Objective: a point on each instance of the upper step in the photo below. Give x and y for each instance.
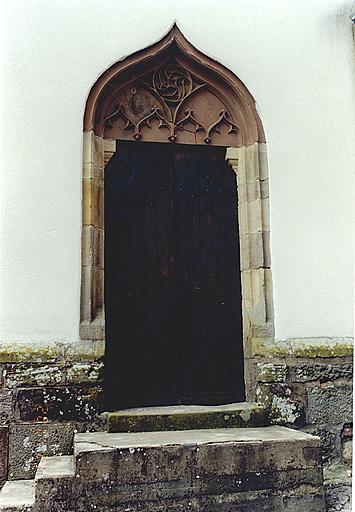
(17, 496)
(186, 417)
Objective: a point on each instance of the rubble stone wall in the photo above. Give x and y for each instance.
(49, 391)
(307, 384)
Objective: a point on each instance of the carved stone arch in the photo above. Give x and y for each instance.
(170, 92)
(111, 97)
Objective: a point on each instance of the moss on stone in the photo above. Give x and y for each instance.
(304, 347)
(122, 421)
(270, 348)
(271, 372)
(322, 347)
(20, 353)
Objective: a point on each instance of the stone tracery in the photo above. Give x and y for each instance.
(164, 96)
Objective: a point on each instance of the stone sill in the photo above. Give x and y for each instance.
(51, 351)
(325, 347)
(94, 349)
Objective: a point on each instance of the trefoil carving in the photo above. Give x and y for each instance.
(184, 106)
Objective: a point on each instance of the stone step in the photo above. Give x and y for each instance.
(60, 466)
(17, 496)
(186, 417)
(54, 474)
(266, 468)
(270, 469)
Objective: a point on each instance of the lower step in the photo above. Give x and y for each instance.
(269, 469)
(186, 417)
(17, 496)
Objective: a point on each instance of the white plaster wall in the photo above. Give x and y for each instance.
(294, 56)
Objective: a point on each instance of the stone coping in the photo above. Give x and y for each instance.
(304, 347)
(93, 350)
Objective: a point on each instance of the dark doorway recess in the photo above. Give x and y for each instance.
(172, 277)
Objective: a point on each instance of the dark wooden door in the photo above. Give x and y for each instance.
(172, 277)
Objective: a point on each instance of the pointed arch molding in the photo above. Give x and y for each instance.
(170, 92)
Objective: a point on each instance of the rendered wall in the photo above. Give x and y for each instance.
(295, 58)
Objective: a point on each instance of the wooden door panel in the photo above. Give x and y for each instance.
(172, 286)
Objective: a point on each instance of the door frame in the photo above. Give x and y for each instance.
(248, 159)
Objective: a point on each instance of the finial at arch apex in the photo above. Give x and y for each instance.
(171, 92)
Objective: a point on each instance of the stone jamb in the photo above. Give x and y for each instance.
(250, 165)
(96, 154)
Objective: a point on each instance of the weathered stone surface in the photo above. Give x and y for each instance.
(270, 348)
(338, 498)
(20, 375)
(307, 372)
(4, 447)
(86, 350)
(31, 352)
(186, 417)
(285, 404)
(329, 405)
(115, 499)
(322, 347)
(186, 471)
(255, 250)
(347, 451)
(83, 373)
(337, 480)
(329, 437)
(29, 442)
(7, 406)
(271, 372)
(205, 452)
(312, 501)
(17, 496)
(70, 404)
(56, 467)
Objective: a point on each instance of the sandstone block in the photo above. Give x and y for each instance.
(271, 372)
(330, 406)
(87, 238)
(307, 372)
(30, 441)
(77, 403)
(4, 449)
(85, 350)
(20, 375)
(83, 373)
(255, 250)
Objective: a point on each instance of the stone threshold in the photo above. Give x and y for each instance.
(186, 417)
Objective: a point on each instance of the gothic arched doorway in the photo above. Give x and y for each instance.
(166, 133)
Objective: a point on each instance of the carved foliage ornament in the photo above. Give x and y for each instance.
(170, 104)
